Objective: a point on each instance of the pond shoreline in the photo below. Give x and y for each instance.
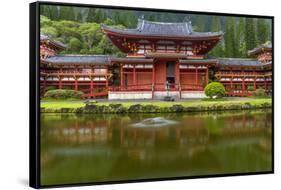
(175, 107)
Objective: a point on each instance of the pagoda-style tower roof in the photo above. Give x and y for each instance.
(178, 34)
(163, 29)
(54, 44)
(263, 53)
(267, 47)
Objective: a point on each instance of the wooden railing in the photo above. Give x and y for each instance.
(95, 92)
(141, 87)
(245, 74)
(74, 74)
(158, 87)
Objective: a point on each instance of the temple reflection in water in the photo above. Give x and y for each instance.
(196, 144)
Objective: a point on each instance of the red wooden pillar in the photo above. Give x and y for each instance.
(76, 85)
(177, 77)
(60, 83)
(153, 79)
(60, 76)
(196, 76)
(255, 83)
(121, 75)
(243, 86)
(134, 74)
(92, 87)
(106, 84)
(231, 79)
(207, 75)
(177, 71)
(265, 86)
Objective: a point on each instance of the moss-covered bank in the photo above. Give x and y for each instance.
(159, 107)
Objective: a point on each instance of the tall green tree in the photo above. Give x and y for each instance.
(240, 38)
(79, 17)
(200, 21)
(230, 48)
(75, 44)
(262, 31)
(50, 11)
(91, 34)
(91, 15)
(96, 15)
(218, 51)
(250, 35)
(67, 13)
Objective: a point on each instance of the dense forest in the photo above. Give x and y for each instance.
(79, 28)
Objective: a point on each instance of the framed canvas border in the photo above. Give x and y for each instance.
(34, 94)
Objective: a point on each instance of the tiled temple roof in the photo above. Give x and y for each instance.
(199, 61)
(79, 59)
(55, 43)
(131, 60)
(239, 62)
(106, 60)
(266, 46)
(149, 28)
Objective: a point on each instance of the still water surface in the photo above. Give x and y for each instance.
(95, 148)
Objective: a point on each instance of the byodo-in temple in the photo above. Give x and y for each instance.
(161, 58)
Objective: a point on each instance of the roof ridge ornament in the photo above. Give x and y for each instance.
(188, 24)
(186, 18)
(140, 23)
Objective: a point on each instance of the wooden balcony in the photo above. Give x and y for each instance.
(245, 74)
(76, 74)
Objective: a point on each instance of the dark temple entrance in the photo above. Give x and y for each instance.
(170, 73)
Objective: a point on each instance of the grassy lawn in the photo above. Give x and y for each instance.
(186, 103)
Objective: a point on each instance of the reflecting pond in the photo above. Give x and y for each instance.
(109, 147)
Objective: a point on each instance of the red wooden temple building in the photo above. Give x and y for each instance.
(87, 73)
(243, 76)
(161, 58)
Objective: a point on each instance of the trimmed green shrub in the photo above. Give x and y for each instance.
(250, 88)
(214, 90)
(50, 88)
(63, 94)
(259, 92)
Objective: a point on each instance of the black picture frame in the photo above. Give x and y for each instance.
(34, 93)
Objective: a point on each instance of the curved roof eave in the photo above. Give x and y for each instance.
(136, 33)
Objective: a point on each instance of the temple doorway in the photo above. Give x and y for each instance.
(170, 73)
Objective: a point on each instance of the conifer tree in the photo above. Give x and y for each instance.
(230, 49)
(240, 38)
(262, 31)
(250, 37)
(218, 51)
(91, 15)
(79, 17)
(67, 13)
